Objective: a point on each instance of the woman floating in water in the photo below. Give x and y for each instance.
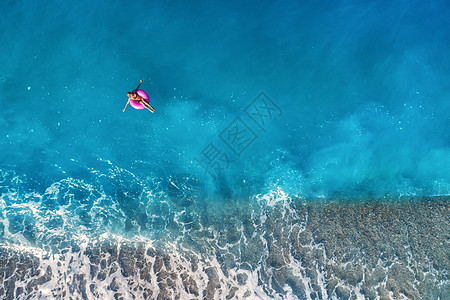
(139, 99)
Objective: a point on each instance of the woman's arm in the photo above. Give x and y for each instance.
(137, 87)
(127, 104)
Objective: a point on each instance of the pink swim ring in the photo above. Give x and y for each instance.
(136, 104)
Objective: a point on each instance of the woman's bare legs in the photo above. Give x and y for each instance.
(147, 106)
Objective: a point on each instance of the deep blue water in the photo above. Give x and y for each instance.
(356, 93)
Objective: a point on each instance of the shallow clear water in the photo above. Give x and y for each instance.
(260, 108)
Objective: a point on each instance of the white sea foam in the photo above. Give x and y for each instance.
(261, 250)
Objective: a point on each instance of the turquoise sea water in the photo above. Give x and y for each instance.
(257, 104)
